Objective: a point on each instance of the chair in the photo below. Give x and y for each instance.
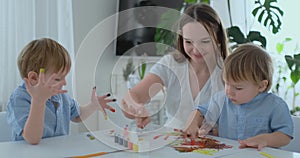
(5, 132)
(295, 143)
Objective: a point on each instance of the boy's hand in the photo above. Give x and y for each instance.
(253, 142)
(191, 130)
(100, 102)
(205, 129)
(43, 90)
(192, 124)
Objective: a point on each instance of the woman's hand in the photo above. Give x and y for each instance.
(141, 122)
(137, 112)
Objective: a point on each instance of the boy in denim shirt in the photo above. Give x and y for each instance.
(245, 111)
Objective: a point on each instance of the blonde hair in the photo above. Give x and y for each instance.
(249, 62)
(43, 53)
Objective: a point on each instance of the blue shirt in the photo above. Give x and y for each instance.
(265, 113)
(56, 121)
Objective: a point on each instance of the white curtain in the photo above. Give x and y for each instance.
(22, 21)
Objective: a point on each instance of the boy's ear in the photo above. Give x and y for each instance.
(33, 77)
(263, 85)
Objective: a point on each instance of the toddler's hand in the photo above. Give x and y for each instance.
(101, 102)
(253, 143)
(43, 90)
(204, 129)
(192, 124)
(190, 130)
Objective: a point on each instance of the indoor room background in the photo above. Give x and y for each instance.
(72, 23)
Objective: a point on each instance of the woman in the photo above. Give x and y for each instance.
(190, 76)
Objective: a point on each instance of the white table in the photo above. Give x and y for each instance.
(80, 144)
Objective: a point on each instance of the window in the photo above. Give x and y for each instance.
(24, 21)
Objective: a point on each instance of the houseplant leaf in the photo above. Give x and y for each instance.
(294, 66)
(164, 34)
(256, 36)
(269, 14)
(142, 70)
(236, 36)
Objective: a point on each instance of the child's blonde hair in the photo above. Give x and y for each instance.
(43, 53)
(249, 62)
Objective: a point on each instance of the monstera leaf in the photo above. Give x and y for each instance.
(165, 36)
(236, 37)
(294, 66)
(268, 14)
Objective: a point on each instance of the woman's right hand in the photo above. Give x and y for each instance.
(128, 112)
(137, 112)
(141, 122)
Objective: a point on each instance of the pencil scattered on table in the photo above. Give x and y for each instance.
(266, 155)
(91, 137)
(97, 154)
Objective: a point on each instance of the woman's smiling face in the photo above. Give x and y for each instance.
(197, 42)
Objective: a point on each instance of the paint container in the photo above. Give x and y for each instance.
(116, 138)
(120, 140)
(135, 147)
(125, 143)
(130, 145)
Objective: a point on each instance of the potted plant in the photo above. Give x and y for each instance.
(129, 73)
(129, 69)
(267, 13)
(292, 65)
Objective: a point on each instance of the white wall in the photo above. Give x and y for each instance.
(238, 12)
(86, 15)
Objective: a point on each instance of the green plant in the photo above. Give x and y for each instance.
(292, 65)
(281, 67)
(129, 69)
(142, 70)
(267, 13)
(237, 37)
(296, 111)
(164, 37)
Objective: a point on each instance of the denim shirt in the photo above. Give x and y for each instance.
(56, 120)
(265, 113)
